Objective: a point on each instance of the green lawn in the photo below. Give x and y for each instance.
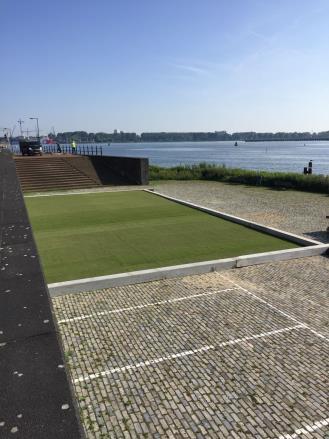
(104, 233)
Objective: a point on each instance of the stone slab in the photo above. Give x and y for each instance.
(135, 277)
(98, 283)
(281, 255)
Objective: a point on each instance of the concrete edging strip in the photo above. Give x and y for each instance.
(281, 255)
(134, 277)
(114, 280)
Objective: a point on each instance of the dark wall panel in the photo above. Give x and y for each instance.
(121, 170)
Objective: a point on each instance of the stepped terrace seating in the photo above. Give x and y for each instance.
(53, 172)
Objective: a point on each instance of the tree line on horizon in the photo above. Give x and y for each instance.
(117, 137)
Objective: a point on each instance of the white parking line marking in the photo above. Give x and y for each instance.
(182, 354)
(146, 305)
(305, 430)
(318, 334)
(143, 364)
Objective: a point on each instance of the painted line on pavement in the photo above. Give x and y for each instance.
(142, 364)
(305, 430)
(182, 354)
(318, 334)
(146, 305)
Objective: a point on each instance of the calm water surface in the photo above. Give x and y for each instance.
(271, 156)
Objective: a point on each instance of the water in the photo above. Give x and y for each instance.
(270, 156)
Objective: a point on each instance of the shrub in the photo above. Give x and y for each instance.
(204, 171)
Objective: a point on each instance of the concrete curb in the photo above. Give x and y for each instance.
(281, 255)
(134, 277)
(141, 276)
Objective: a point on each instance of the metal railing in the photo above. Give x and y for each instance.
(89, 150)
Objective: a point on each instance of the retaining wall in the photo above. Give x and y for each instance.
(108, 170)
(121, 170)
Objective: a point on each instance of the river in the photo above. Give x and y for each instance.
(271, 156)
(290, 156)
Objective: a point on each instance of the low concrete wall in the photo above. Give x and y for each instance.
(281, 255)
(36, 399)
(135, 277)
(108, 170)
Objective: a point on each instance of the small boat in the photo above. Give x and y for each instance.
(236, 144)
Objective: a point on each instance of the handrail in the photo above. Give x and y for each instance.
(85, 150)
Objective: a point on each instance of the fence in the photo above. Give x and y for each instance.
(90, 150)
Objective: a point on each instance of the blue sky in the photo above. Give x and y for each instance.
(165, 65)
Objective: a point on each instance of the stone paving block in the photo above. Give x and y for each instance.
(258, 388)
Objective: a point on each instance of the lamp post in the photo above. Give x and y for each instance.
(37, 119)
(6, 133)
(20, 121)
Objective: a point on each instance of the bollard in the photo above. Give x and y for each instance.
(310, 164)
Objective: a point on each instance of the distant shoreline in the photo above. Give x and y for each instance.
(211, 140)
(214, 140)
(287, 140)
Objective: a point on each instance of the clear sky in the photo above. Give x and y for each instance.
(165, 65)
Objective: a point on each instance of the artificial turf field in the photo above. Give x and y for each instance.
(89, 235)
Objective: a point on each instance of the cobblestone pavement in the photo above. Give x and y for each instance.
(293, 211)
(237, 354)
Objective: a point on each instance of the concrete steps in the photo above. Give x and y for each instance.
(48, 173)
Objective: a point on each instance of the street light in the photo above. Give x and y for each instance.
(37, 119)
(6, 133)
(20, 121)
